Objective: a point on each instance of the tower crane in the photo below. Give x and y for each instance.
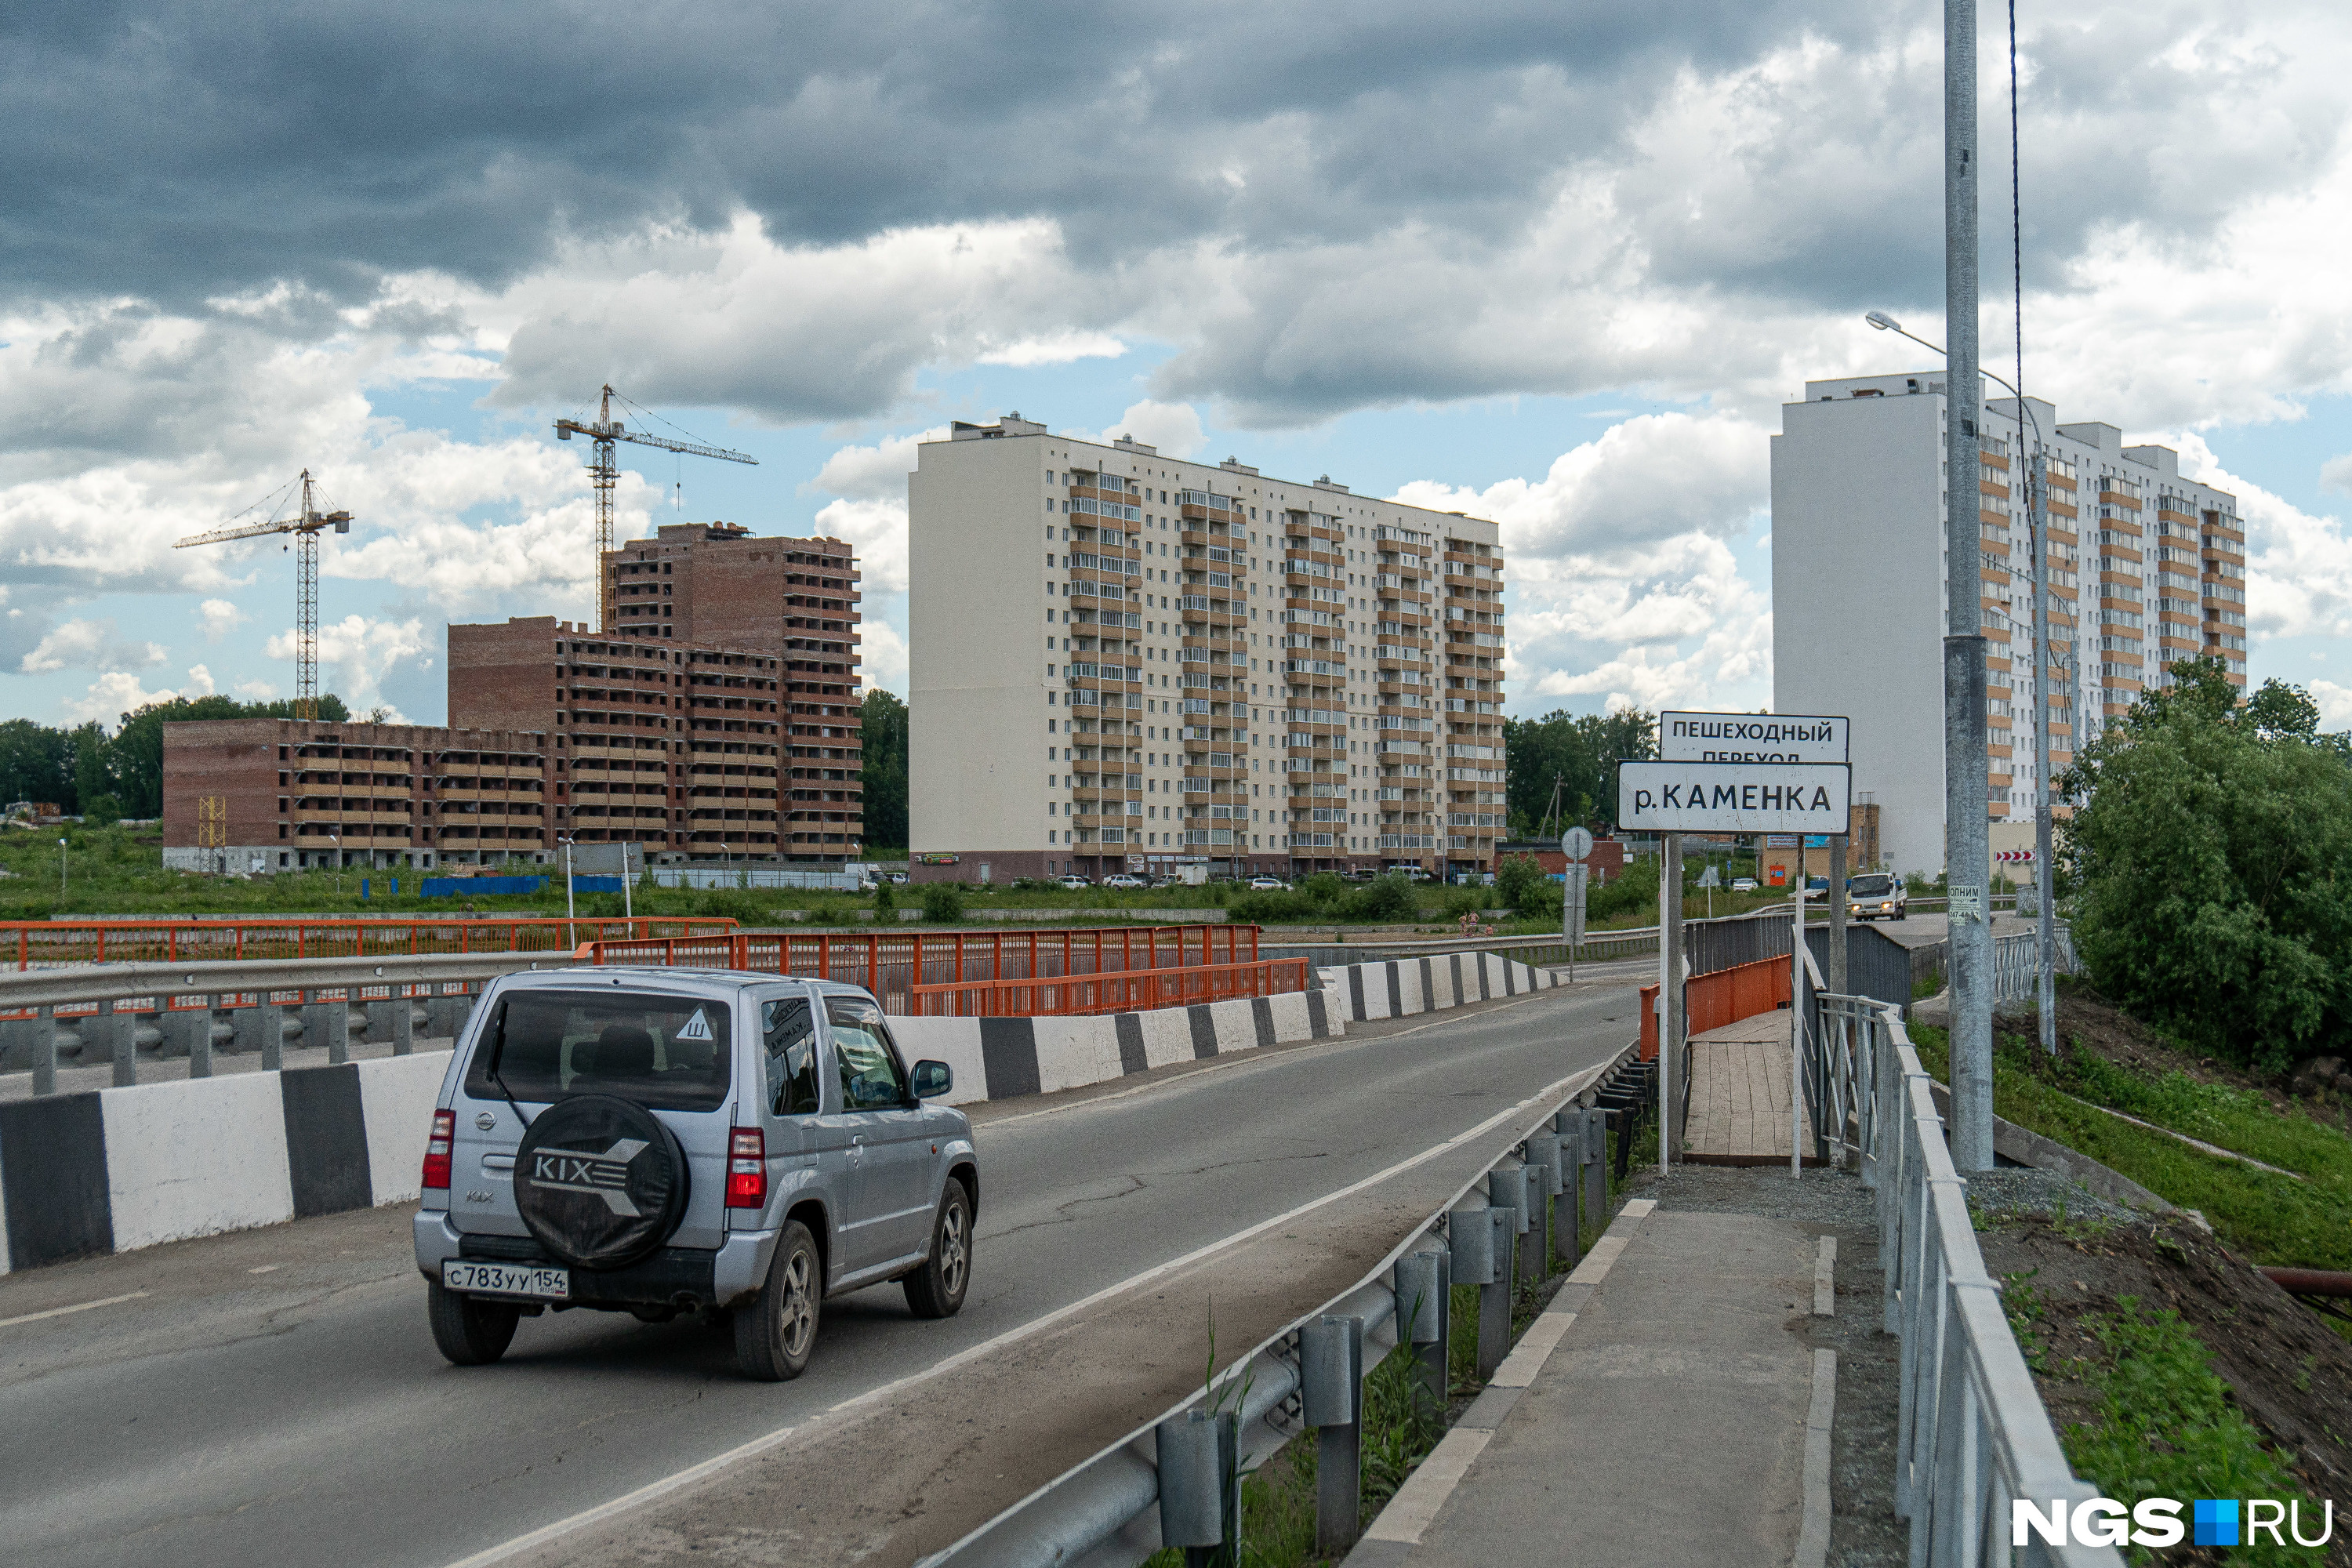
(305, 525)
(604, 473)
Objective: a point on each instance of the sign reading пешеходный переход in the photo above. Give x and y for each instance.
(1733, 797)
(1752, 737)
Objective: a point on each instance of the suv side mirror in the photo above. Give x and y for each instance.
(933, 1079)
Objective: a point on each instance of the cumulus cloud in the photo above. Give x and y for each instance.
(88, 645)
(2335, 474)
(883, 656)
(356, 653)
(221, 617)
(2334, 704)
(2298, 566)
(1174, 427)
(1060, 348)
(874, 473)
(112, 697)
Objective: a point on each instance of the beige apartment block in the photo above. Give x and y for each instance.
(1128, 662)
(2146, 568)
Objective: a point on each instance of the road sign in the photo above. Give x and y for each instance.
(1709, 879)
(1576, 843)
(1752, 738)
(1733, 797)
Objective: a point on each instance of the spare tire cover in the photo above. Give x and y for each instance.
(600, 1181)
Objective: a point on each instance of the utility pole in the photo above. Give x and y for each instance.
(1967, 847)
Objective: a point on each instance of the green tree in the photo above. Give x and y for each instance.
(2212, 854)
(36, 763)
(91, 775)
(1581, 751)
(1524, 886)
(882, 733)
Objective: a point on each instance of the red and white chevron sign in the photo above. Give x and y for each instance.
(2012, 857)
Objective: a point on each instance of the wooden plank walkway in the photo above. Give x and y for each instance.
(1739, 1095)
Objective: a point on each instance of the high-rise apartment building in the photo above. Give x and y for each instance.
(2146, 568)
(1128, 662)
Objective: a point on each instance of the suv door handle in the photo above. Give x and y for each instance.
(856, 1138)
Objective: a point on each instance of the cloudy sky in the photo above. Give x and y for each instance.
(1556, 264)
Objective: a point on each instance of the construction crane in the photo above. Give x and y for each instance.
(305, 525)
(604, 473)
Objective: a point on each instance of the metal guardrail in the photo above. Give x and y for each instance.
(2015, 959)
(107, 1006)
(1177, 1480)
(37, 944)
(1972, 1432)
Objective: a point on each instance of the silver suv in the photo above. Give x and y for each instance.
(667, 1140)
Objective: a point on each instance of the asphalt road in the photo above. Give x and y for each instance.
(274, 1397)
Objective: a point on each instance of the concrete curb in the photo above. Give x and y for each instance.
(1409, 1514)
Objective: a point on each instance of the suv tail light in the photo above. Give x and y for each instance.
(436, 1151)
(747, 1169)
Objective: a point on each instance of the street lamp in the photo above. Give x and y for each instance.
(571, 915)
(61, 868)
(336, 841)
(2038, 507)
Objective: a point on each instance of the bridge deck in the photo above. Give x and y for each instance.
(1739, 1094)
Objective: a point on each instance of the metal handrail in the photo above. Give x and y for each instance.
(1124, 991)
(1971, 1430)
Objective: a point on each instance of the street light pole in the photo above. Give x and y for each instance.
(2037, 528)
(61, 868)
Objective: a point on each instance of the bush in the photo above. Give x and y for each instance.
(886, 903)
(1462, 901)
(942, 901)
(1271, 908)
(1521, 884)
(1324, 888)
(1634, 891)
(1388, 898)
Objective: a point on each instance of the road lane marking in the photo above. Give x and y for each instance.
(62, 1312)
(652, 1490)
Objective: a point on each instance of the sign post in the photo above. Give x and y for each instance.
(1575, 844)
(1735, 773)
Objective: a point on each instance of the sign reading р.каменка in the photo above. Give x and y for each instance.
(1752, 738)
(1733, 797)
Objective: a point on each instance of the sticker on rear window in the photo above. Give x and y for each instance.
(697, 1027)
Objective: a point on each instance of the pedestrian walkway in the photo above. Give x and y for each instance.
(1739, 1094)
(1663, 1411)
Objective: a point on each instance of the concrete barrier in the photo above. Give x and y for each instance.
(1403, 987)
(112, 1170)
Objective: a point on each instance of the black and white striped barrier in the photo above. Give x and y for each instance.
(1409, 985)
(1005, 1059)
(116, 1169)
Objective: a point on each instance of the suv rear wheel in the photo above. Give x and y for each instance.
(470, 1330)
(775, 1333)
(936, 1288)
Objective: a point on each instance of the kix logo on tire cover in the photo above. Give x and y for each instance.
(600, 1181)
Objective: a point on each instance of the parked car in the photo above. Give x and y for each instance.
(1268, 885)
(1125, 880)
(659, 1140)
(1075, 881)
(1877, 896)
(1743, 884)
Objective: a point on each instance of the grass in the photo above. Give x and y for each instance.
(2272, 1219)
(2166, 1425)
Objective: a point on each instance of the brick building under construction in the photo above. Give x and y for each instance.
(718, 720)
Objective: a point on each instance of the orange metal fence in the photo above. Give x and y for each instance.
(1725, 996)
(40, 944)
(896, 966)
(1133, 991)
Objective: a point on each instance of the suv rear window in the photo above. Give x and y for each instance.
(1870, 886)
(669, 1053)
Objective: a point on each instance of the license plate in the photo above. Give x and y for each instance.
(507, 1279)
